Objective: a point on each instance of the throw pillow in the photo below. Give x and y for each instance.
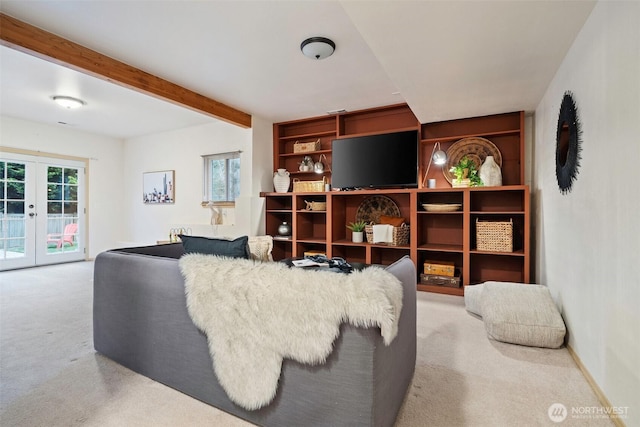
(237, 248)
(260, 248)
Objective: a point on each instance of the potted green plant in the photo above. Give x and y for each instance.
(466, 173)
(357, 231)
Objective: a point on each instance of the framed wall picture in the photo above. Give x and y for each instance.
(158, 187)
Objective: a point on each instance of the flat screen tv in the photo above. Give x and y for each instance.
(375, 161)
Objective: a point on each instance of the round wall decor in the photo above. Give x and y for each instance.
(568, 141)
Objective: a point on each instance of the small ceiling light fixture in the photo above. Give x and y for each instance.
(318, 47)
(68, 101)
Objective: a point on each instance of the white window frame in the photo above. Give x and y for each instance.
(206, 187)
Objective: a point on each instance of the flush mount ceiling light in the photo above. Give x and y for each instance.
(318, 47)
(68, 101)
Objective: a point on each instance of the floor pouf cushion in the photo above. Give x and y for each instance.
(521, 314)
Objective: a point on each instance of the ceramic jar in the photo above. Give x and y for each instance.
(281, 181)
(490, 173)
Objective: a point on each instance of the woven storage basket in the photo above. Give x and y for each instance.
(400, 235)
(305, 147)
(308, 186)
(494, 236)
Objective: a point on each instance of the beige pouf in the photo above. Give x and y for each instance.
(519, 314)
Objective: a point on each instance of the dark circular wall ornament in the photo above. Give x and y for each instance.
(568, 141)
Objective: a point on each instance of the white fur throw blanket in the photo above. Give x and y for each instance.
(257, 313)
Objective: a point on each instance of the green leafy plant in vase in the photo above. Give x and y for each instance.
(357, 228)
(466, 173)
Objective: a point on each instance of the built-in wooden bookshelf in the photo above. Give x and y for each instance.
(444, 236)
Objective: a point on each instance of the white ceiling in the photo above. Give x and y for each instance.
(446, 59)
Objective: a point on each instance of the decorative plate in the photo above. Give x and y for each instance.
(373, 207)
(476, 148)
(441, 207)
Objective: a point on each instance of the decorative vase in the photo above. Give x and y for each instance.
(281, 180)
(357, 236)
(490, 173)
(284, 229)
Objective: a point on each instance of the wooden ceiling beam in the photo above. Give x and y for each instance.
(48, 46)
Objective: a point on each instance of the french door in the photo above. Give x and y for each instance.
(42, 212)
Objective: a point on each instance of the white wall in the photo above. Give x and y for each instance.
(105, 171)
(588, 241)
(181, 150)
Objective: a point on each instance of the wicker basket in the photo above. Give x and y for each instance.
(308, 186)
(400, 235)
(494, 236)
(306, 147)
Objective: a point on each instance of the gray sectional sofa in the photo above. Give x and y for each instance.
(141, 321)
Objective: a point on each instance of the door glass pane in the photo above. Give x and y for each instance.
(15, 171)
(15, 190)
(62, 210)
(71, 208)
(54, 208)
(70, 192)
(54, 192)
(15, 248)
(12, 208)
(54, 175)
(70, 176)
(16, 208)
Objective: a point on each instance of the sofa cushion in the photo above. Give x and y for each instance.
(521, 314)
(237, 248)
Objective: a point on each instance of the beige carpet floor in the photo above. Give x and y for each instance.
(51, 376)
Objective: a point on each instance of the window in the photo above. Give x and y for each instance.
(222, 177)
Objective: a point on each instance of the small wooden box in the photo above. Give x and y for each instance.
(314, 253)
(306, 147)
(440, 268)
(434, 279)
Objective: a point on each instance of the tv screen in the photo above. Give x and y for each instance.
(375, 161)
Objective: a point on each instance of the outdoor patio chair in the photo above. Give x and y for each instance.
(66, 236)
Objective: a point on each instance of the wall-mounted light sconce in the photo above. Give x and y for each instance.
(438, 157)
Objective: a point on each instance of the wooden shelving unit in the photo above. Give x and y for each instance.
(439, 236)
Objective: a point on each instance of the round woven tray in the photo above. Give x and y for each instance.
(373, 207)
(475, 148)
